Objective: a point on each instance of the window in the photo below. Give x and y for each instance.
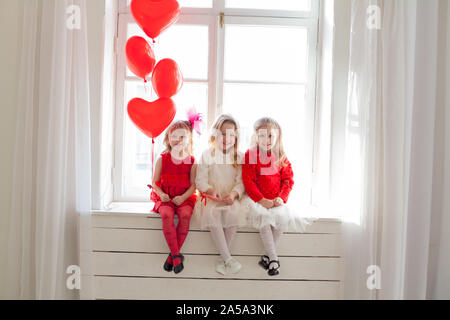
(250, 58)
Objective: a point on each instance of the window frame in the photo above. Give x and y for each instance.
(219, 6)
(216, 81)
(121, 78)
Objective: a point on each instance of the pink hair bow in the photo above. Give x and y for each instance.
(195, 119)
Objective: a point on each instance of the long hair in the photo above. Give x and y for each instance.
(180, 124)
(220, 121)
(270, 123)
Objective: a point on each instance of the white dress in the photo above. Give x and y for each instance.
(283, 218)
(215, 170)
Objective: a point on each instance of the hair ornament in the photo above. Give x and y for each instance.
(195, 118)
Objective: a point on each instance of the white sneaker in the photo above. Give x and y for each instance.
(220, 267)
(232, 265)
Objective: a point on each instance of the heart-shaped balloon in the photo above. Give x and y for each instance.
(167, 79)
(152, 118)
(140, 57)
(155, 16)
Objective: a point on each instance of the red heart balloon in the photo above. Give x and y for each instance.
(167, 79)
(152, 118)
(140, 57)
(155, 16)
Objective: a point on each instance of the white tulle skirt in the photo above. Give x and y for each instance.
(283, 218)
(217, 214)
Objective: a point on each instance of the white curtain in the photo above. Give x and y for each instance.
(397, 152)
(51, 188)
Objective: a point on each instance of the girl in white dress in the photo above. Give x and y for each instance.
(219, 179)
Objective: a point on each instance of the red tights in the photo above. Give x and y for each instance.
(175, 236)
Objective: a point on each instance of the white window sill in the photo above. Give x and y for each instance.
(128, 208)
(145, 208)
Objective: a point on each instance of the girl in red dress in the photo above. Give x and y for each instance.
(173, 189)
(268, 179)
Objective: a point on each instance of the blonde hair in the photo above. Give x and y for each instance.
(217, 125)
(180, 124)
(270, 123)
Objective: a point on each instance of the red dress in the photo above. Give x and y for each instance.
(264, 179)
(175, 180)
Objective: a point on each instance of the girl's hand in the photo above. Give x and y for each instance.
(164, 197)
(178, 200)
(266, 203)
(213, 193)
(278, 202)
(229, 199)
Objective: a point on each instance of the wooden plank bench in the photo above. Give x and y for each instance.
(129, 250)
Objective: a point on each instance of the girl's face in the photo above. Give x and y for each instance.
(266, 138)
(227, 136)
(179, 139)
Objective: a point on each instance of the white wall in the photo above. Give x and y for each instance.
(10, 29)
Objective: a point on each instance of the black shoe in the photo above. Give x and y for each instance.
(264, 262)
(168, 266)
(274, 270)
(180, 267)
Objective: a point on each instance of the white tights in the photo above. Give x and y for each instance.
(270, 237)
(223, 237)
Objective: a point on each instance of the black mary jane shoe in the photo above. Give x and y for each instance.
(274, 270)
(264, 262)
(168, 266)
(180, 267)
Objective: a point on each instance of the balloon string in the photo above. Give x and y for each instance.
(152, 148)
(153, 154)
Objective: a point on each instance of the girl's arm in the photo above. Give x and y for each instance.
(201, 178)
(157, 177)
(249, 179)
(239, 187)
(287, 181)
(191, 190)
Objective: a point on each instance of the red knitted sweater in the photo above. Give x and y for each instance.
(264, 179)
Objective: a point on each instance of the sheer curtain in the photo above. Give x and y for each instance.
(396, 223)
(51, 188)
